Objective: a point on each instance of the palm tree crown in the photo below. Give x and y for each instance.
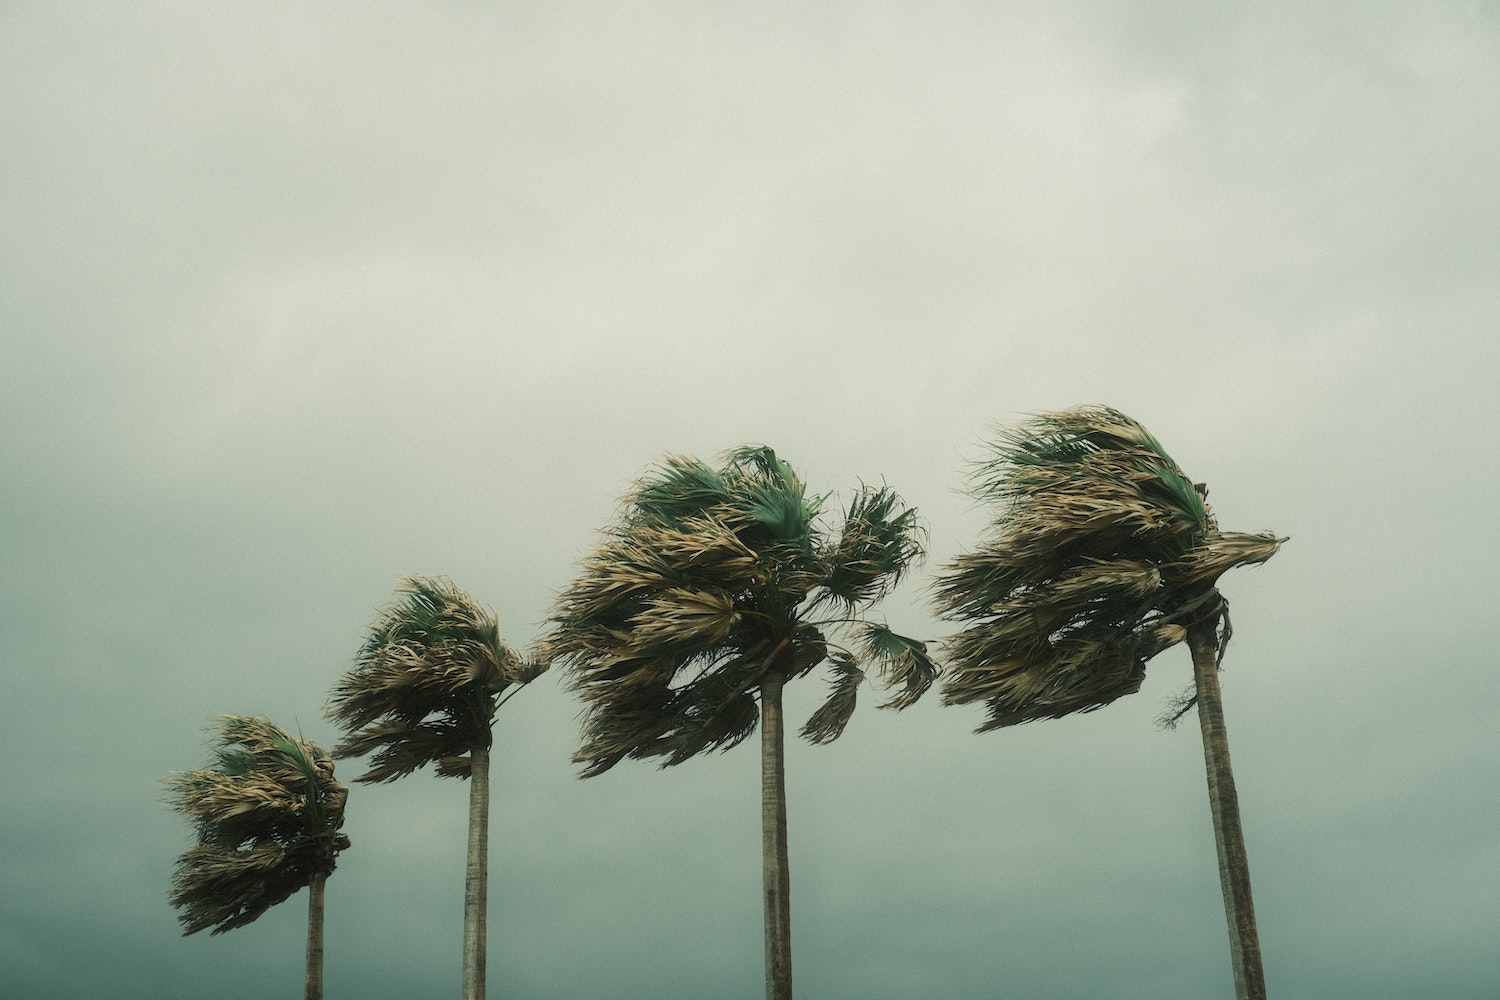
(714, 580)
(267, 813)
(1101, 555)
(426, 683)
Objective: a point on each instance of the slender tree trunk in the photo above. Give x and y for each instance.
(476, 874)
(315, 887)
(777, 875)
(1234, 865)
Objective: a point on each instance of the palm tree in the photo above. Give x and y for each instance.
(712, 590)
(1101, 555)
(424, 690)
(267, 813)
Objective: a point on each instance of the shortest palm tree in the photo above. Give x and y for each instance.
(268, 813)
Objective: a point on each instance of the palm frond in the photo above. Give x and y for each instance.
(828, 722)
(398, 747)
(224, 888)
(903, 663)
(681, 488)
(1077, 671)
(768, 497)
(684, 619)
(880, 541)
(716, 710)
(1222, 552)
(1107, 484)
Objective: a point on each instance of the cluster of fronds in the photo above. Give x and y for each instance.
(1101, 553)
(425, 684)
(713, 579)
(266, 812)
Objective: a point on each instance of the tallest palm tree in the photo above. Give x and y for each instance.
(1101, 555)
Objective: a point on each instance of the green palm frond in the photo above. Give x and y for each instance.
(903, 663)
(1100, 552)
(425, 683)
(705, 584)
(266, 814)
(682, 488)
(828, 722)
(880, 541)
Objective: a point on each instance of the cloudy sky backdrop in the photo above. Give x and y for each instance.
(295, 299)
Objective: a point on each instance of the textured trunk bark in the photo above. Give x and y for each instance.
(777, 875)
(1234, 865)
(314, 989)
(476, 874)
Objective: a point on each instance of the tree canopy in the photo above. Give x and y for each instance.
(712, 579)
(267, 813)
(426, 683)
(1101, 553)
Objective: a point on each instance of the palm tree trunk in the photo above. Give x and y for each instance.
(777, 874)
(476, 873)
(1234, 865)
(314, 990)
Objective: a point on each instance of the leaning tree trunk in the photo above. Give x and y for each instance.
(777, 875)
(1234, 866)
(476, 872)
(315, 885)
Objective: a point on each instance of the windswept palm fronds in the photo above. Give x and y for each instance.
(267, 814)
(1100, 554)
(712, 579)
(425, 684)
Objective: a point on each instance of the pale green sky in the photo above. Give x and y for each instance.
(297, 299)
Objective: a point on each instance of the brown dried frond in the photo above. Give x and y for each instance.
(684, 619)
(1222, 552)
(1079, 676)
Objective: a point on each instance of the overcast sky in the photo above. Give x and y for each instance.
(296, 299)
